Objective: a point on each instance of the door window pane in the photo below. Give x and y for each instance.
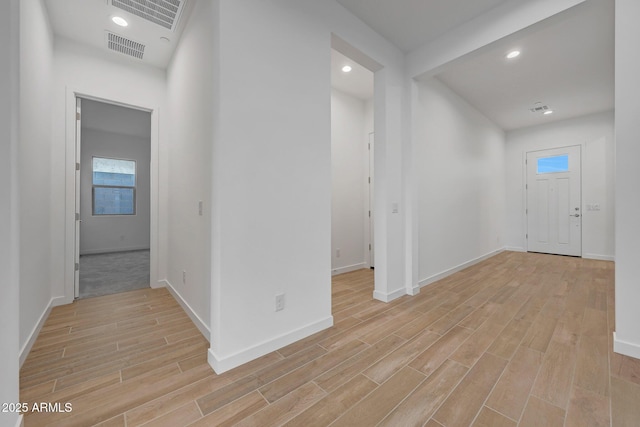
(553, 164)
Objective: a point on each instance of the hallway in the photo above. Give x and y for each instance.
(519, 339)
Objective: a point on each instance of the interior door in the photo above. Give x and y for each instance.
(77, 209)
(554, 215)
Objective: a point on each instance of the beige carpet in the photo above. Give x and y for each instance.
(112, 273)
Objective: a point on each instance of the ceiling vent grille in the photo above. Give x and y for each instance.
(124, 45)
(161, 12)
(539, 108)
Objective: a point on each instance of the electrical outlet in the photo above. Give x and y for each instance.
(200, 208)
(184, 277)
(280, 302)
(338, 253)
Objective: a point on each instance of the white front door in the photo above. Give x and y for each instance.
(554, 214)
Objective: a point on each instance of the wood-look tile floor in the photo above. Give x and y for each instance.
(519, 339)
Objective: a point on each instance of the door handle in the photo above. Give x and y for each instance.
(576, 215)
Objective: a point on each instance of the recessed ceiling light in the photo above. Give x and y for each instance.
(118, 20)
(513, 54)
(347, 68)
(546, 113)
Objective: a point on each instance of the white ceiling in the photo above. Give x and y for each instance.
(566, 63)
(85, 21)
(358, 82)
(410, 24)
(114, 118)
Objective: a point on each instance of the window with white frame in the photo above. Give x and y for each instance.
(114, 186)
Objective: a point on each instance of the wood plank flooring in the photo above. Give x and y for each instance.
(517, 340)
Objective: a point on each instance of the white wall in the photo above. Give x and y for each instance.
(349, 193)
(190, 103)
(9, 223)
(34, 165)
(627, 129)
(107, 76)
(461, 181)
(496, 25)
(107, 233)
(272, 171)
(595, 134)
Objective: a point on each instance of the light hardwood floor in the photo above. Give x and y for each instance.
(519, 339)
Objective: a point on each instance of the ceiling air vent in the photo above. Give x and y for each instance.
(539, 108)
(161, 12)
(124, 45)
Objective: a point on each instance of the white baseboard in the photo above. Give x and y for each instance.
(449, 272)
(20, 421)
(113, 250)
(58, 301)
(200, 324)
(626, 348)
(160, 284)
(223, 364)
(599, 257)
(381, 296)
(348, 268)
(26, 348)
(584, 255)
(413, 290)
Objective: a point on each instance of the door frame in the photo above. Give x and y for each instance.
(70, 183)
(525, 201)
(370, 197)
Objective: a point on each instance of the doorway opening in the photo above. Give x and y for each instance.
(554, 192)
(352, 150)
(113, 198)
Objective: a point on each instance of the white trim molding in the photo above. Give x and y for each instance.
(24, 351)
(626, 348)
(58, 301)
(515, 249)
(223, 364)
(20, 421)
(348, 268)
(200, 324)
(413, 290)
(449, 272)
(599, 257)
(390, 296)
